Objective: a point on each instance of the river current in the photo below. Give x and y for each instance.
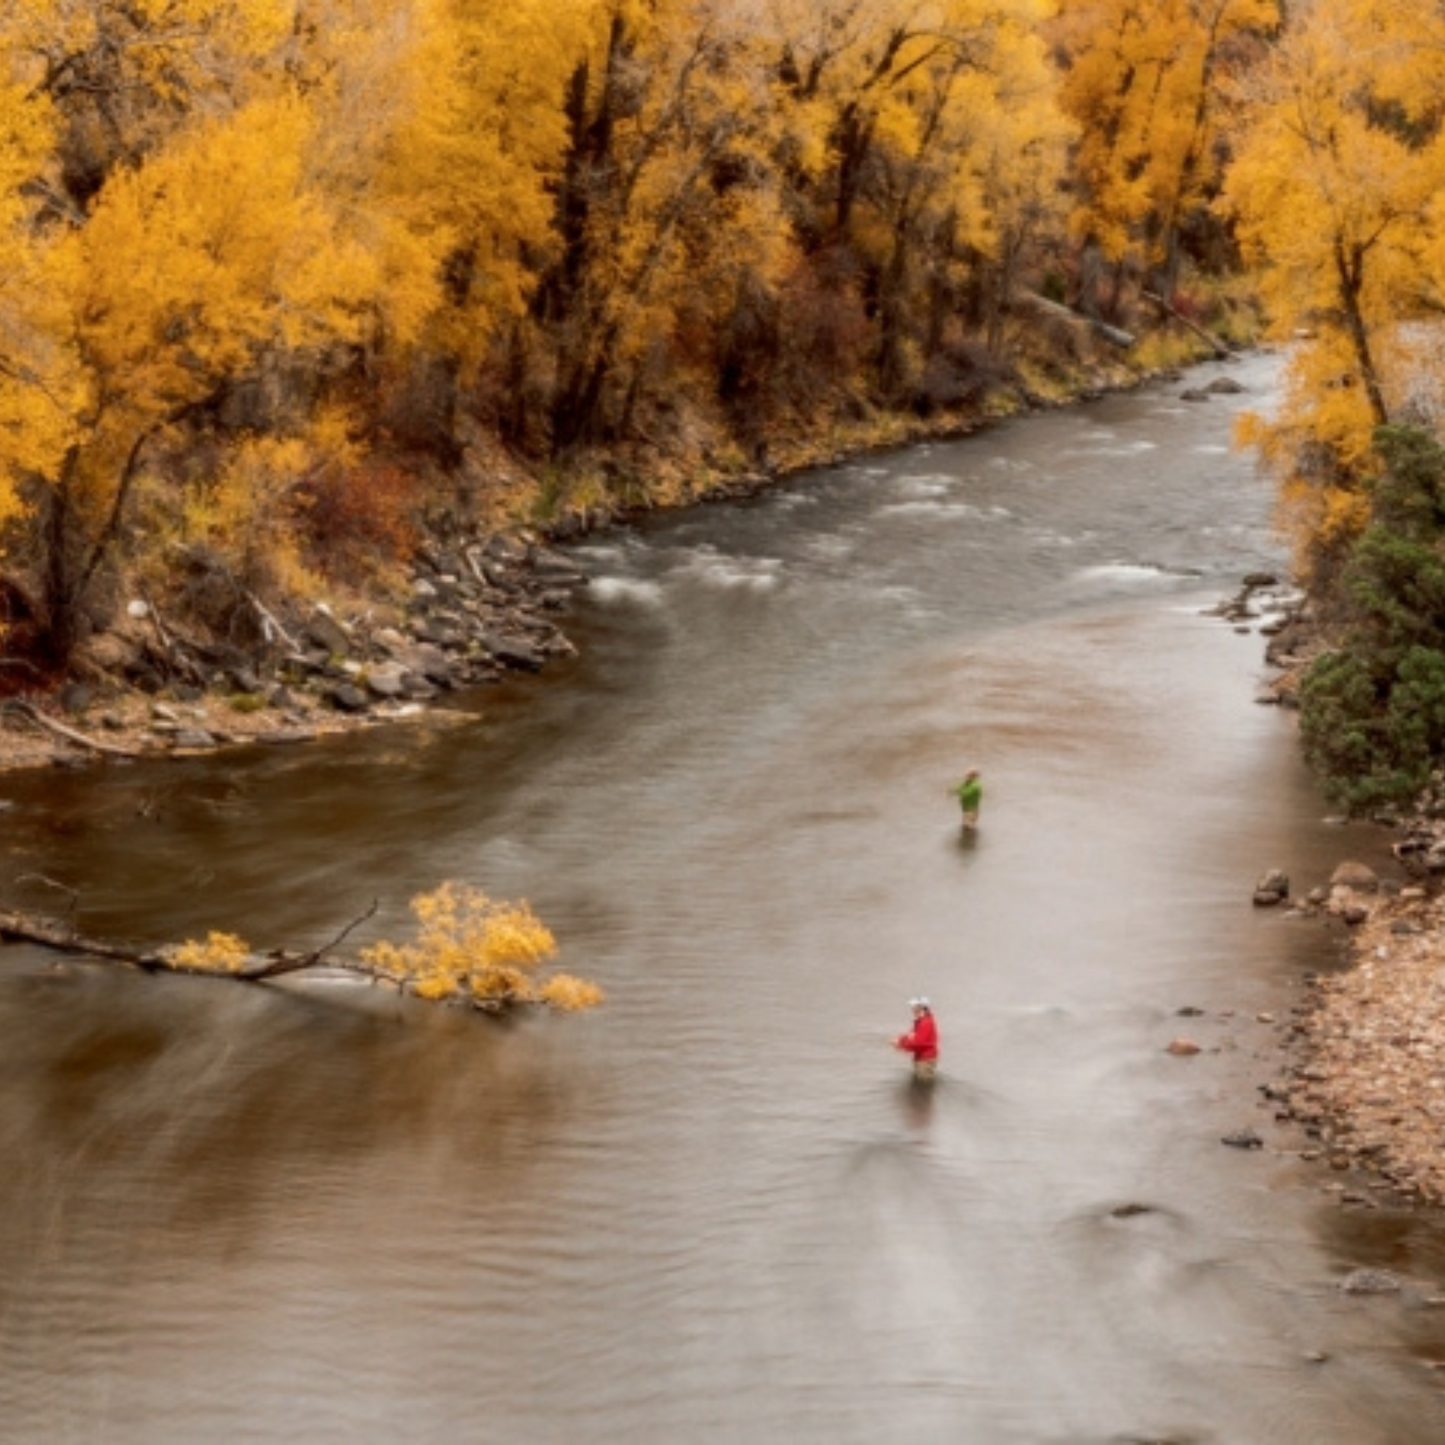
(716, 1209)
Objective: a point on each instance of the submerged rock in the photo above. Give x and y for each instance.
(1371, 1281)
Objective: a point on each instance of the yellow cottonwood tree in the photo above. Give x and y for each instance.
(1142, 79)
(206, 205)
(190, 268)
(1334, 192)
(36, 389)
(98, 90)
(123, 75)
(916, 136)
(657, 115)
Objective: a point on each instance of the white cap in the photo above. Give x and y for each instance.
(918, 1003)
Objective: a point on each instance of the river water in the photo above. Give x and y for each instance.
(716, 1209)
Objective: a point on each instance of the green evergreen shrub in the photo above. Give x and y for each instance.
(1372, 710)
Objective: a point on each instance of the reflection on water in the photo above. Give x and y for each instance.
(719, 1209)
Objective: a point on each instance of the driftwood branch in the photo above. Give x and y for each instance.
(279, 963)
(16, 926)
(1221, 351)
(72, 894)
(33, 928)
(175, 653)
(73, 735)
(270, 623)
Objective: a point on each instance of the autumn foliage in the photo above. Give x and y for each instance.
(260, 260)
(469, 949)
(473, 948)
(278, 278)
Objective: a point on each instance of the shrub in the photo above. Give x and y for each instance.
(473, 948)
(220, 953)
(1372, 711)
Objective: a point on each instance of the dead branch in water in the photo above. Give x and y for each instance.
(65, 938)
(51, 933)
(474, 951)
(279, 963)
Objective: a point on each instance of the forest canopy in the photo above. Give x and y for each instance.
(279, 279)
(286, 283)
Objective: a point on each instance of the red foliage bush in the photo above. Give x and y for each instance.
(367, 514)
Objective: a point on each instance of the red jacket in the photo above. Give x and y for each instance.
(922, 1043)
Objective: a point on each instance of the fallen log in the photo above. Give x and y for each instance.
(1114, 335)
(1221, 351)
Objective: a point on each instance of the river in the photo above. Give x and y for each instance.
(716, 1209)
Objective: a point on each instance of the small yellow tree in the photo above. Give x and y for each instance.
(474, 948)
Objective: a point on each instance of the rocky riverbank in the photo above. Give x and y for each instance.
(478, 608)
(159, 680)
(1363, 1060)
(1363, 1053)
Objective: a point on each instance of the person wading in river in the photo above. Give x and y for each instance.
(921, 1041)
(970, 796)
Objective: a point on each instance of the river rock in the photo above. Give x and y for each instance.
(1272, 887)
(1347, 905)
(282, 736)
(386, 679)
(346, 697)
(75, 697)
(1370, 1281)
(555, 566)
(513, 651)
(193, 740)
(1243, 1139)
(326, 632)
(1359, 877)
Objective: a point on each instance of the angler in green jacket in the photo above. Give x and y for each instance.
(970, 796)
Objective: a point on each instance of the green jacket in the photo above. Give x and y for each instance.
(970, 794)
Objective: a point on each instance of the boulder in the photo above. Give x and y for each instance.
(386, 679)
(346, 697)
(326, 632)
(1271, 887)
(1358, 877)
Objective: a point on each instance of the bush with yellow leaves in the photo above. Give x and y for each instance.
(473, 948)
(220, 953)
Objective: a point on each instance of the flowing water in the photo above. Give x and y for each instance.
(716, 1209)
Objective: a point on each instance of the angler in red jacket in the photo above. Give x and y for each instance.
(922, 1041)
